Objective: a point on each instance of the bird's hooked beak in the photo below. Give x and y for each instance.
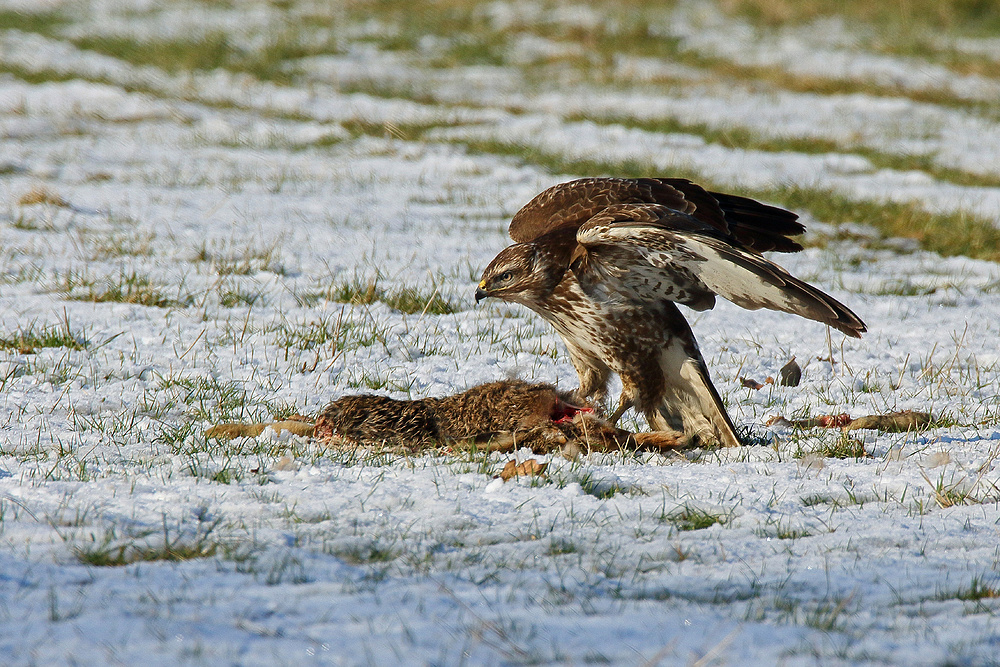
(481, 292)
(578, 260)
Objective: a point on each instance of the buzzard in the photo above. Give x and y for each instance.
(606, 260)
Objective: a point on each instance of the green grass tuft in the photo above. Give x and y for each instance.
(45, 22)
(359, 291)
(209, 52)
(364, 552)
(216, 401)
(978, 590)
(130, 287)
(841, 447)
(27, 341)
(180, 546)
(967, 17)
(126, 554)
(215, 50)
(694, 518)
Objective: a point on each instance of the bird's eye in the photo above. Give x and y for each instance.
(506, 276)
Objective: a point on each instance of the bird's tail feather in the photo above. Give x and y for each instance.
(690, 401)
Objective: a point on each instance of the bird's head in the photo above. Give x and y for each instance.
(511, 275)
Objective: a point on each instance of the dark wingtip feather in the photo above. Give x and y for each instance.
(840, 317)
(760, 226)
(854, 328)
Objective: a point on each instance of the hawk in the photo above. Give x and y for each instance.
(606, 260)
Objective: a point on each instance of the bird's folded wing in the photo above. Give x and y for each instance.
(645, 260)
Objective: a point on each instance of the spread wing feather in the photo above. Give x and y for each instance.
(569, 205)
(648, 253)
(573, 203)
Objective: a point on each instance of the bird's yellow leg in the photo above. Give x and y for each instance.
(624, 403)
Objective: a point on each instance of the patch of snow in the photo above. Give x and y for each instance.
(243, 202)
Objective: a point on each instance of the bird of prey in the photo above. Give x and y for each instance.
(605, 260)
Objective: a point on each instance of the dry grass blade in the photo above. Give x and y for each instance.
(42, 195)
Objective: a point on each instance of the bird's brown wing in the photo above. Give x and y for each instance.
(648, 253)
(569, 205)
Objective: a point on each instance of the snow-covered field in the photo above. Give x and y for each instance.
(176, 246)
